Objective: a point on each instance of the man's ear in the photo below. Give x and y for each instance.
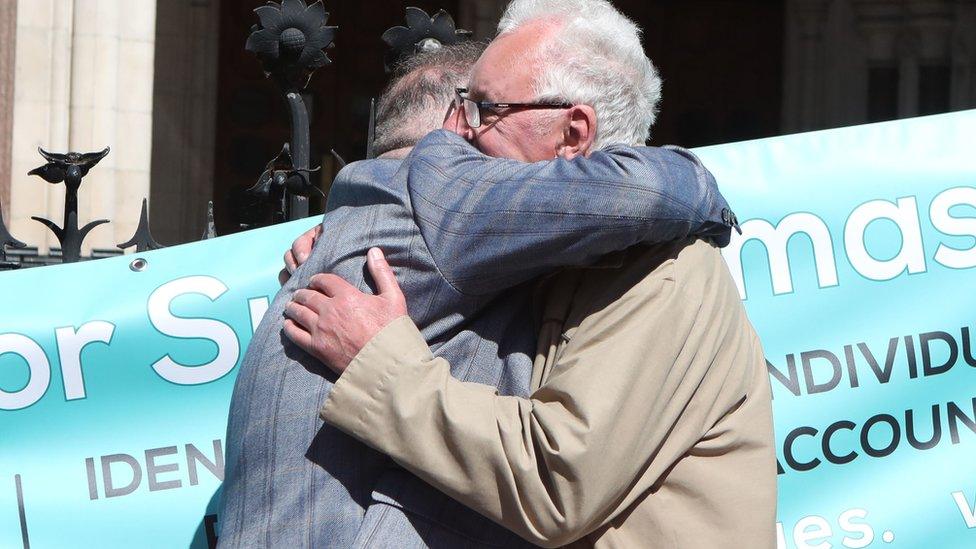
(579, 134)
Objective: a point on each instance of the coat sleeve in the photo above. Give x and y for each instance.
(560, 464)
(493, 223)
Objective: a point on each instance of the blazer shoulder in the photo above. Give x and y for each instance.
(367, 182)
(375, 172)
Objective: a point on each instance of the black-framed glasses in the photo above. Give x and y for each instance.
(472, 108)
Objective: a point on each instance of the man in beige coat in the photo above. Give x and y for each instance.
(650, 422)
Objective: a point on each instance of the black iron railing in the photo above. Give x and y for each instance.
(291, 41)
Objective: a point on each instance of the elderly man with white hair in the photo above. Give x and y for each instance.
(468, 233)
(649, 422)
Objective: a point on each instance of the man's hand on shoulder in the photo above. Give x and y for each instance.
(332, 320)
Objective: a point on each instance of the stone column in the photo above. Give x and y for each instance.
(185, 118)
(84, 81)
(963, 94)
(908, 57)
(803, 87)
(845, 68)
(111, 104)
(41, 85)
(8, 34)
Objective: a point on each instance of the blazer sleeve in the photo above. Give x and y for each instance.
(558, 465)
(493, 223)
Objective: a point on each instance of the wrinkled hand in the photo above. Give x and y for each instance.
(299, 252)
(332, 320)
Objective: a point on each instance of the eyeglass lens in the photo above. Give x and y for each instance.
(472, 113)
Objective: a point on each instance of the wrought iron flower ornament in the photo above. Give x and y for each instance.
(291, 39)
(422, 33)
(274, 176)
(280, 175)
(68, 168)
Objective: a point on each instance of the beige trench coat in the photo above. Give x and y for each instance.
(650, 424)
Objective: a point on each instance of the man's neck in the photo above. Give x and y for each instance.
(397, 154)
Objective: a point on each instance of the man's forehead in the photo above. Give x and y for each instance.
(482, 87)
(506, 66)
(490, 73)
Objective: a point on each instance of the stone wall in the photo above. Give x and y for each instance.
(83, 81)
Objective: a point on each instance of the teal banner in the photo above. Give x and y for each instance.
(856, 264)
(115, 382)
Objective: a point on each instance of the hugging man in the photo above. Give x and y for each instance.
(645, 358)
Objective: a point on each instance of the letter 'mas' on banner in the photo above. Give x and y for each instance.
(857, 264)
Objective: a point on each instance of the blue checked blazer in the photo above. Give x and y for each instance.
(467, 235)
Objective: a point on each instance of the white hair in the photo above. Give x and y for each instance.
(595, 58)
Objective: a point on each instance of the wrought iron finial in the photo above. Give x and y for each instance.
(371, 132)
(290, 41)
(339, 160)
(69, 168)
(143, 239)
(6, 239)
(211, 231)
(422, 33)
